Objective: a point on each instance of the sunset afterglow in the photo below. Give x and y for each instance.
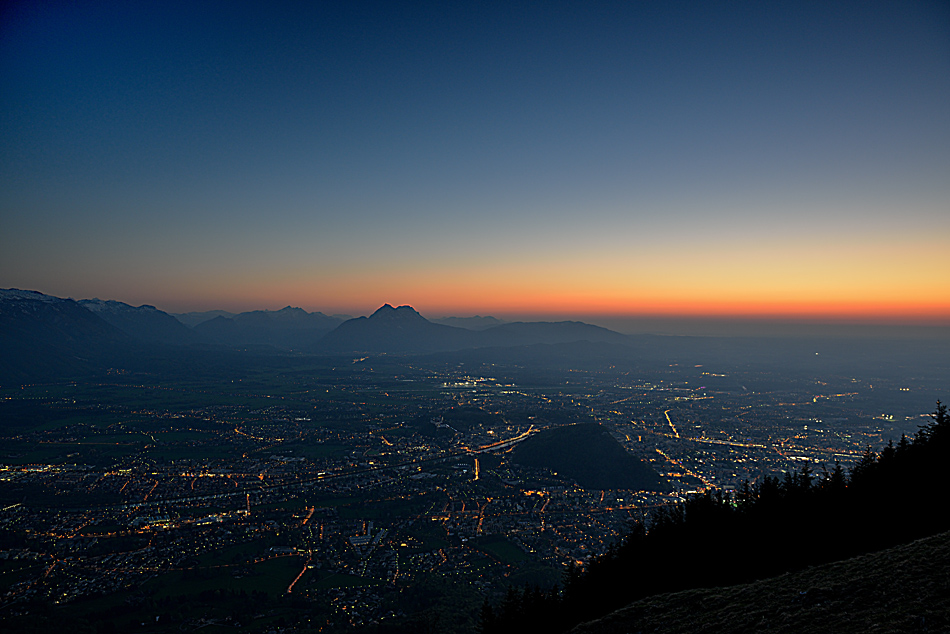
(549, 163)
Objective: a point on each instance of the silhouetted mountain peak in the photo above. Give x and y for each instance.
(403, 313)
(399, 329)
(404, 330)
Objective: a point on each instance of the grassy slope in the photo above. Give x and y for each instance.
(902, 589)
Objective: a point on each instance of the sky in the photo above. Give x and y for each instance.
(554, 160)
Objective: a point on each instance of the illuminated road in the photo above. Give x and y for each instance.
(501, 444)
(672, 426)
(679, 464)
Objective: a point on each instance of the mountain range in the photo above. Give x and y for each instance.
(50, 338)
(44, 335)
(290, 328)
(403, 330)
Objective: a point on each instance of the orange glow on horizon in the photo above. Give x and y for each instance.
(902, 285)
(512, 303)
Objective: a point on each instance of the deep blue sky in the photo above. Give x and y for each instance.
(545, 158)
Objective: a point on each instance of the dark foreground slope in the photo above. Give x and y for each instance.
(902, 589)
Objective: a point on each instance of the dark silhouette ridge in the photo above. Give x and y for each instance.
(388, 312)
(289, 328)
(194, 318)
(394, 330)
(477, 322)
(145, 322)
(403, 330)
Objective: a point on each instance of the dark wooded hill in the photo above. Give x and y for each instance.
(589, 455)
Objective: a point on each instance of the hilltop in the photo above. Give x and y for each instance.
(395, 329)
(588, 454)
